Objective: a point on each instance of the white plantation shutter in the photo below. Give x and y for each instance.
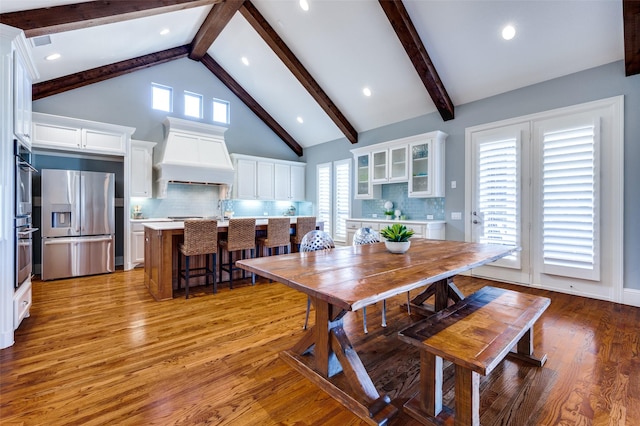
(324, 194)
(498, 202)
(342, 171)
(570, 205)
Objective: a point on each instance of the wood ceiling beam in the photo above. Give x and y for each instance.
(49, 20)
(95, 75)
(410, 39)
(631, 19)
(212, 26)
(273, 40)
(233, 85)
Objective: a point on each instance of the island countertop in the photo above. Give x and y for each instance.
(223, 225)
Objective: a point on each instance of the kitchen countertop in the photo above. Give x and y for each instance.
(382, 219)
(167, 224)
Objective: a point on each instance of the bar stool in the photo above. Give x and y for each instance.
(278, 233)
(369, 236)
(304, 225)
(313, 241)
(240, 237)
(200, 238)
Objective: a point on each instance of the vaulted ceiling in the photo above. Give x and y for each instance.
(416, 56)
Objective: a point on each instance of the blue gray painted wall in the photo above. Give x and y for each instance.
(593, 84)
(125, 100)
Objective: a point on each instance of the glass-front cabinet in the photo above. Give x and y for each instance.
(398, 164)
(389, 165)
(363, 183)
(418, 160)
(420, 182)
(426, 167)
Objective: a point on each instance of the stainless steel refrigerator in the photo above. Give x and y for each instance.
(78, 223)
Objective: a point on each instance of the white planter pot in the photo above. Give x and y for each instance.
(397, 247)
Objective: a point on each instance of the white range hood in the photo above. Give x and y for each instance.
(192, 152)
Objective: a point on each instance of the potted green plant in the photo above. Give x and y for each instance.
(397, 237)
(388, 214)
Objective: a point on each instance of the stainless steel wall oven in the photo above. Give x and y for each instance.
(23, 210)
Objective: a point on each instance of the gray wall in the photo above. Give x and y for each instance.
(126, 101)
(597, 83)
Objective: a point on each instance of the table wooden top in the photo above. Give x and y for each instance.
(352, 277)
(478, 332)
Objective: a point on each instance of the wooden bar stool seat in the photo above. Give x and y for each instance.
(278, 235)
(200, 238)
(304, 225)
(241, 237)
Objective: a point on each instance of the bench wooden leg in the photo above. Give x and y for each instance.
(430, 383)
(467, 391)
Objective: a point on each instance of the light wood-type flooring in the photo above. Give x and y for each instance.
(100, 351)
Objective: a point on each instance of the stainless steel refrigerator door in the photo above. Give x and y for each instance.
(77, 256)
(60, 203)
(97, 194)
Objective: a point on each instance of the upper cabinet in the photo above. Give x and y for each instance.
(21, 99)
(390, 165)
(141, 168)
(259, 178)
(72, 134)
(426, 167)
(418, 160)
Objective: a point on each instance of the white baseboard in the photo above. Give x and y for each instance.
(631, 297)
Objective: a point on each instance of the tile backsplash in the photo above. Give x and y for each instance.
(412, 208)
(202, 200)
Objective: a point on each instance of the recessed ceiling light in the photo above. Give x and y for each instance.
(245, 60)
(508, 32)
(165, 31)
(366, 91)
(304, 5)
(53, 57)
(299, 120)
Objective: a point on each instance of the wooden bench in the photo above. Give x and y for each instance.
(475, 334)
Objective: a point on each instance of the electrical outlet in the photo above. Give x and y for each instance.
(429, 217)
(454, 184)
(456, 215)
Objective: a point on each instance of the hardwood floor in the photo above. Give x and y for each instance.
(100, 351)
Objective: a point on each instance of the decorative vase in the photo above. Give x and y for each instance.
(388, 217)
(397, 246)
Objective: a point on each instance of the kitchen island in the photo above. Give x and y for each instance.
(161, 240)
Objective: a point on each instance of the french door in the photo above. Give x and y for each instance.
(537, 183)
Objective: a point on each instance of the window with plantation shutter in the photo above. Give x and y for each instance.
(570, 213)
(324, 194)
(498, 191)
(342, 171)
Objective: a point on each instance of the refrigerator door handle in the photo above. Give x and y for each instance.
(27, 232)
(51, 241)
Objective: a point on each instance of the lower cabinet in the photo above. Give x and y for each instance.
(432, 229)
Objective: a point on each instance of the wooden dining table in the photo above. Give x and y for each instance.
(349, 278)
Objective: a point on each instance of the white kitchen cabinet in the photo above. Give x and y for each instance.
(265, 184)
(258, 178)
(137, 244)
(364, 188)
(289, 182)
(21, 99)
(431, 229)
(389, 165)
(418, 160)
(297, 182)
(72, 134)
(244, 187)
(141, 184)
(426, 167)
